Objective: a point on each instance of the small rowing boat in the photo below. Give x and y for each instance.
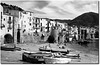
(34, 57)
(53, 50)
(55, 60)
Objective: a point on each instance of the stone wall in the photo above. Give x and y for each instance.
(30, 38)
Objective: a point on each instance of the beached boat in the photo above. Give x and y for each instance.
(73, 55)
(53, 50)
(34, 57)
(60, 50)
(60, 58)
(8, 47)
(55, 60)
(45, 49)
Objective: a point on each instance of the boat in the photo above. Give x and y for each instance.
(57, 60)
(53, 50)
(73, 55)
(45, 49)
(8, 47)
(34, 57)
(60, 51)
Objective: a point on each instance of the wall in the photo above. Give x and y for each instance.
(44, 23)
(26, 23)
(5, 29)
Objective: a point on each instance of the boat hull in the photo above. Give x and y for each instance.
(57, 60)
(54, 51)
(35, 58)
(8, 47)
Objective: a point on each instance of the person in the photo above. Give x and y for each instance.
(61, 37)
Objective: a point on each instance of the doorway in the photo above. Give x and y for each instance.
(18, 36)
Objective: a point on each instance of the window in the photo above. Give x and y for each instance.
(9, 18)
(8, 30)
(4, 19)
(7, 11)
(20, 14)
(30, 24)
(41, 24)
(96, 34)
(91, 35)
(1, 15)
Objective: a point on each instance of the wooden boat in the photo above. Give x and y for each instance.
(57, 60)
(8, 47)
(61, 51)
(53, 50)
(72, 56)
(34, 57)
(60, 58)
(45, 49)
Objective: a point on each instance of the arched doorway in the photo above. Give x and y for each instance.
(8, 38)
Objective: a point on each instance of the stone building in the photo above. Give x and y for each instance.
(87, 33)
(36, 24)
(6, 23)
(43, 22)
(9, 21)
(26, 22)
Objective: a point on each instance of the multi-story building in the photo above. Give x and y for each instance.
(36, 24)
(26, 22)
(9, 21)
(42, 24)
(1, 18)
(87, 33)
(6, 24)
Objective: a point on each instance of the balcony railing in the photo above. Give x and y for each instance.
(9, 22)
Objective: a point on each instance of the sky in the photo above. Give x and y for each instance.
(56, 9)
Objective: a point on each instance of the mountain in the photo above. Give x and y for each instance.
(11, 7)
(90, 19)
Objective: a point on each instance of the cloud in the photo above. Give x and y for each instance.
(41, 4)
(29, 4)
(57, 8)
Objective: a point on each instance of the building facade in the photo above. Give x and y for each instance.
(26, 22)
(10, 22)
(6, 23)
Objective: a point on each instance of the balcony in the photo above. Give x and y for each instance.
(2, 26)
(9, 22)
(9, 27)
